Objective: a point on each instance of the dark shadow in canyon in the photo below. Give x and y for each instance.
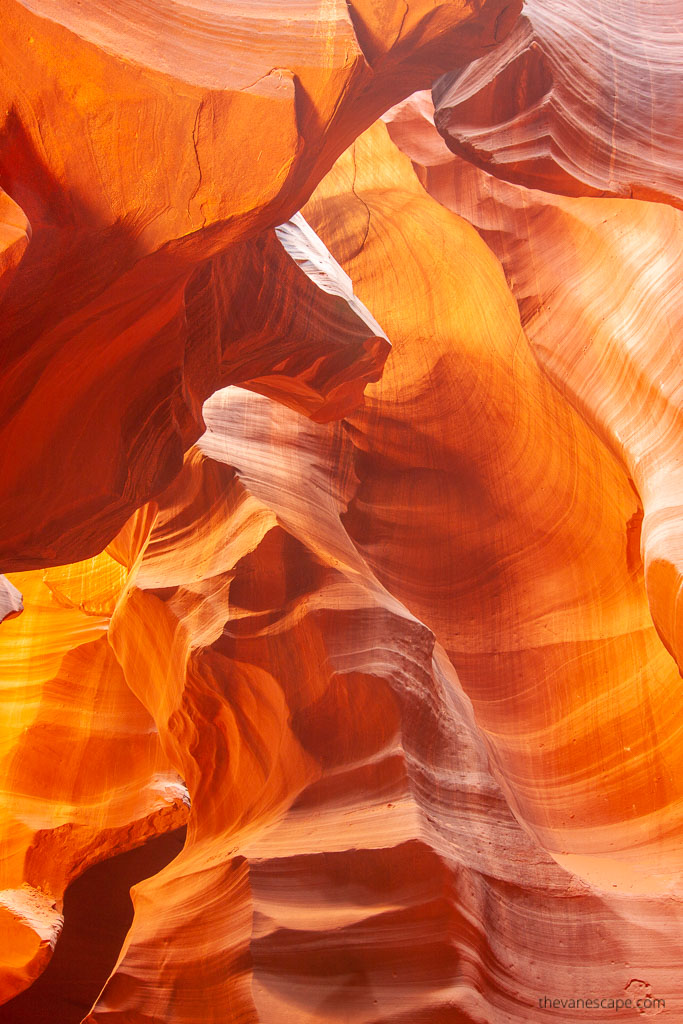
(97, 914)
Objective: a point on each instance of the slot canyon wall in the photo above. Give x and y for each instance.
(341, 452)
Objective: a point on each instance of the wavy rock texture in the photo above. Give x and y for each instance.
(583, 98)
(600, 295)
(349, 855)
(153, 149)
(84, 776)
(256, 315)
(538, 593)
(396, 660)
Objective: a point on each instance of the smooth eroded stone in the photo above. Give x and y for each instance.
(154, 148)
(583, 99)
(599, 286)
(83, 774)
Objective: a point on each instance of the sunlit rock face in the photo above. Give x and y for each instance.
(83, 772)
(343, 491)
(536, 525)
(582, 99)
(600, 292)
(349, 855)
(153, 147)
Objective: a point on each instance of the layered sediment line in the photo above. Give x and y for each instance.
(598, 285)
(581, 99)
(341, 504)
(153, 151)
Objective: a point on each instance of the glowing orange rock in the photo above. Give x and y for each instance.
(582, 99)
(15, 232)
(599, 288)
(341, 650)
(538, 593)
(348, 852)
(287, 323)
(153, 150)
(83, 774)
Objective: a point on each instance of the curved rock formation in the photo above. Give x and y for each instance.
(83, 774)
(256, 314)
(349, 855)
(159, 139)
(388, 637)
(582, 98)
(97, 912)
(599, 288)
(15, 232)
(534, 524)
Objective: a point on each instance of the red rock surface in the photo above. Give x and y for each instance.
(143, 142)
(599, 291)
(394, 638)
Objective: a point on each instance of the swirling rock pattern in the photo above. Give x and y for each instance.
(583, 98)
(143, 142)
(255, 314)
(83, 773)
(394, 637)
(341, 798)
(538, 530)
(349, 854)
(600, 296)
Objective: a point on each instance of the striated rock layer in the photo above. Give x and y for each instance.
(396, 638)
(349, 854)
(170, 141)
(583, 99)
(599, 288)
(537, 594)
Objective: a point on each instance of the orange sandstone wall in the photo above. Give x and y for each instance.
(348, 538)
(143, 141)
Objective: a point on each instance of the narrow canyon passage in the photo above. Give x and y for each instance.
(341, 506)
